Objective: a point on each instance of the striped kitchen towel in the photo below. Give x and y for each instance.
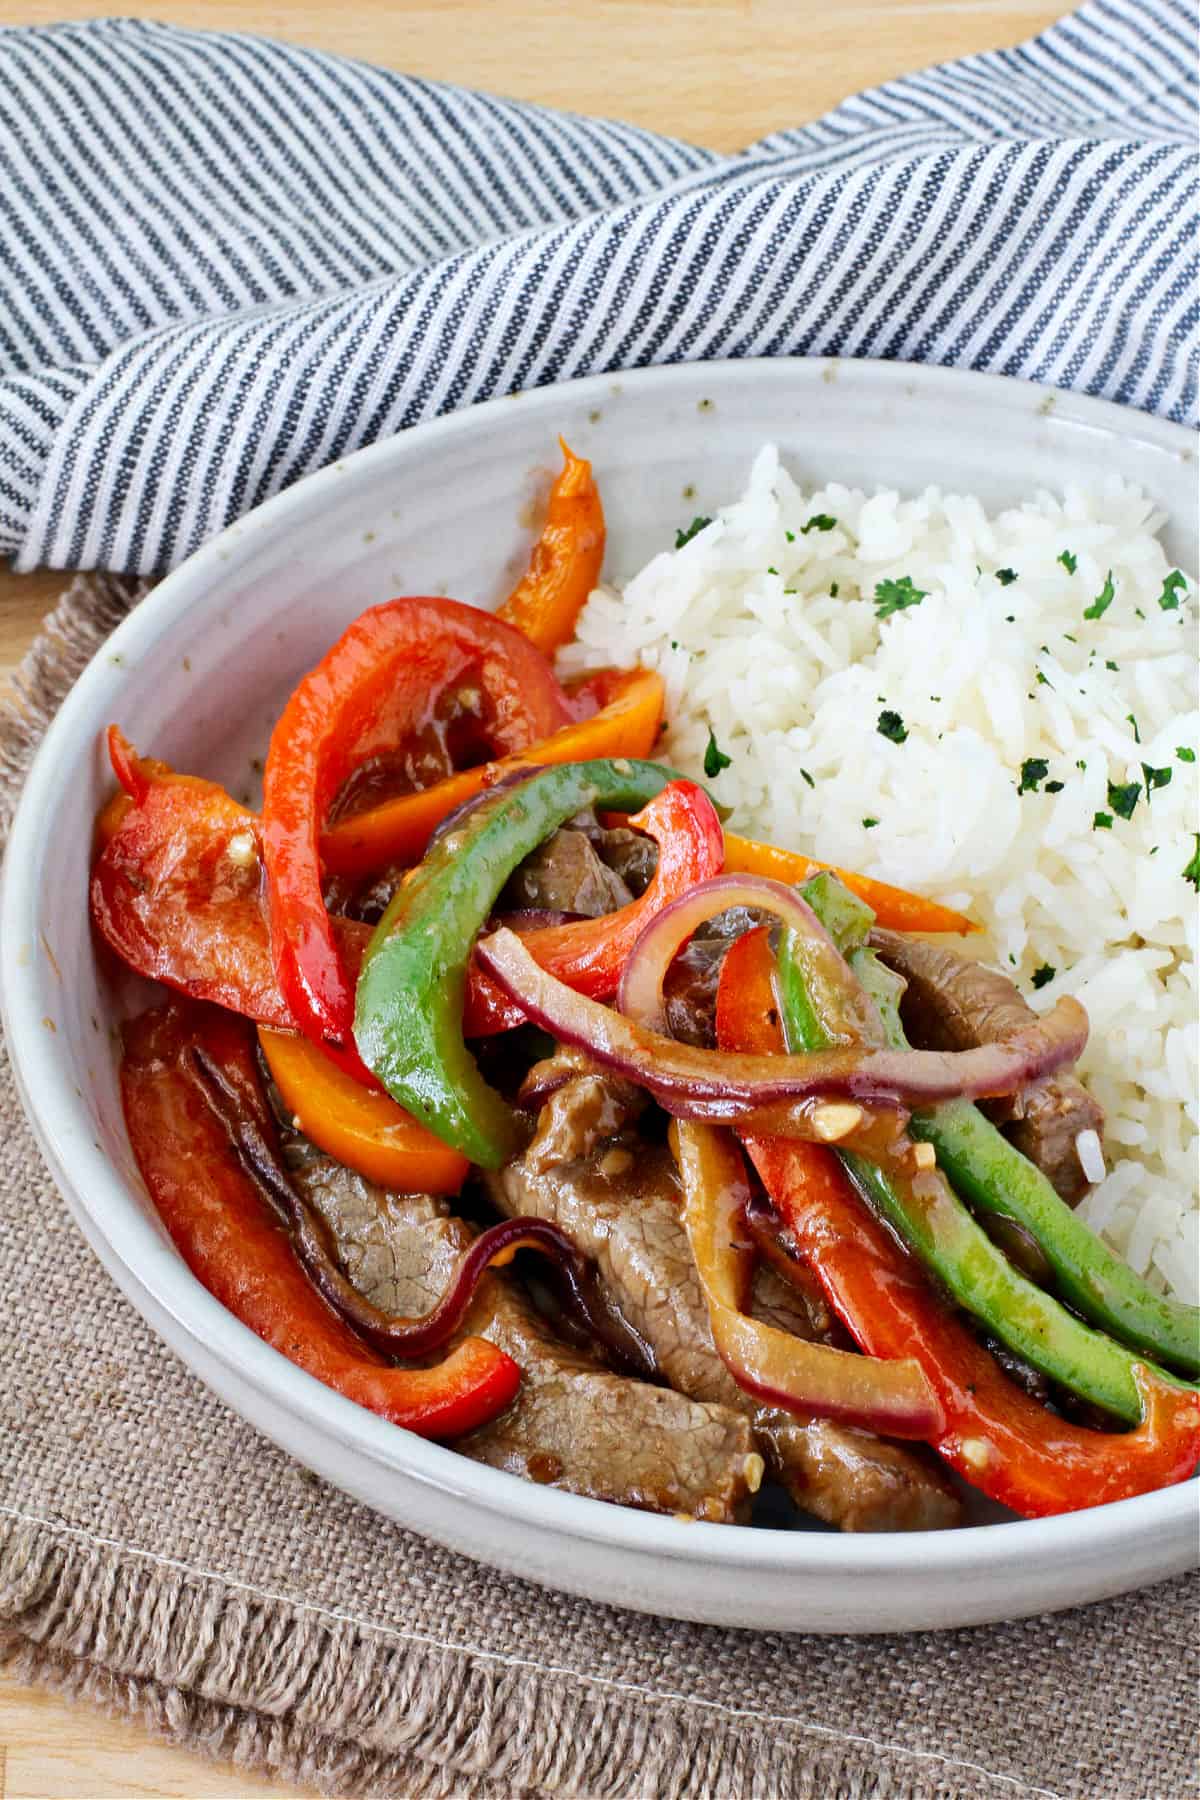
(225, 262)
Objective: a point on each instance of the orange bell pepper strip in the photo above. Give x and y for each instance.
(234, 1244)
(565, 564)
(995, 1435)
(893, 906)
(362, 1128)
(397, 831)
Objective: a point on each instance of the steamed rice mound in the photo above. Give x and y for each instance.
(767, 636)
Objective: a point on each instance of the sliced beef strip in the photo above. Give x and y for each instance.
(629, 854)
(574, 1424)
(565, 875)
(626, 1218)
(952, 1003)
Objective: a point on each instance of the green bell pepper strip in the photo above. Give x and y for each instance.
(409, 1002)
(939, 1229)
(992, 1176)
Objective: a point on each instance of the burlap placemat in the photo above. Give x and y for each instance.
(158, 1555)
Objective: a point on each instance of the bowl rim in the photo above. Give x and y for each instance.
(113, 1220)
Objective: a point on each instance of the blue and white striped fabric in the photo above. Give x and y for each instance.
(226, 261)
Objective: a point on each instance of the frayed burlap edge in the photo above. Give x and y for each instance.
(251, 1679)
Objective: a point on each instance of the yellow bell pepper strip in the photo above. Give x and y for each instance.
(397, 831)
(565, 564)
(364, 1129)
(409, 1005)
(893, 906)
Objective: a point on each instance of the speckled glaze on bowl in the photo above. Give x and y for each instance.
(197, 675)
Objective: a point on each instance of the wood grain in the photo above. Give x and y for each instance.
(718, 72)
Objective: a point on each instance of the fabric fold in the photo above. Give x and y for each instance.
(236, 261)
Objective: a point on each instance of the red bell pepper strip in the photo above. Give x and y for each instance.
(589, 954)
(177, 891)
(997, 1437)
(374, 688)
(565, 564)
(235, 1246)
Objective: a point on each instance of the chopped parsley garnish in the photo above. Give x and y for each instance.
(790, 536)
(870, 824)
(715, 758)
(1055, 787)
(1123, 797)
(1101, 821)
(818, 522)
(1137, 736)
(1191, 872)
(1069, 561)
(1172, 588)
(1041, 976)
(1045, 681)
(1155, 778)
(1110, 665)
(1034, 771)
(1081, 764)
(894, 596)
(1103, 600)
(771, 570)
(891, 725)
(685, 537)
(1185, 754)
(808, 778)
(1006, 577)
(1069, 638)
(833, 590)
(674, 643)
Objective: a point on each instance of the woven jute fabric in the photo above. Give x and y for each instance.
(158, 1555)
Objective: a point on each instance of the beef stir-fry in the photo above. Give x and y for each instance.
(516, 1102)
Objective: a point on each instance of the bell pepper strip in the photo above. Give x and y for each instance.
(812, 1379)
(177, 893)
(397, 831)
(892, 906)
(374, 687)
(565, 563)
(920, 1205)
(995, 1435)
(994, 1178)
(589, 954)
(233, 1243)
(360, 1126)
(409, 1012)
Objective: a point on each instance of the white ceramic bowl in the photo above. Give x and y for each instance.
(197, 675)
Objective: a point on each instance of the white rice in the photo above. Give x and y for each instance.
(743, 624)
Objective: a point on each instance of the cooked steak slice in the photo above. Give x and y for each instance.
(625, 1216)
(565, 875)
(628, 854)
(690, 989)
(573, 1424)
(952, 1003)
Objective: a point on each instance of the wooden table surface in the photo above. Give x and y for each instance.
(719, 72)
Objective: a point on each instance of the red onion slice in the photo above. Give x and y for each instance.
(778, 1093)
